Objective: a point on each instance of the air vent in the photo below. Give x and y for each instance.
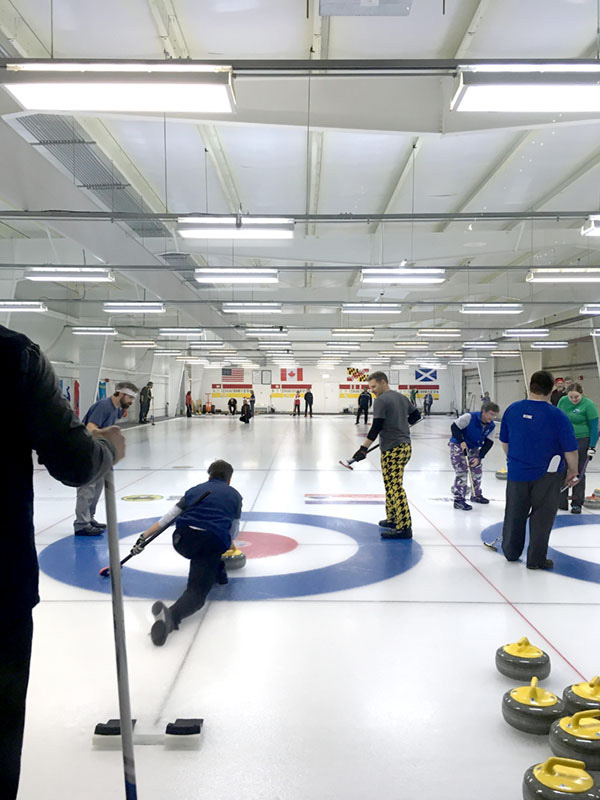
(67, 142)
(365, 8)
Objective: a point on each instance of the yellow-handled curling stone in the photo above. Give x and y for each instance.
(233, 558)
(582, 696)
(502, 474)
(522, 661)
(578, 737)
(559, 779)
(532, 709)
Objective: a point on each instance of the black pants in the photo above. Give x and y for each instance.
(364, 411)
(297, 408)
(204, 550)
(188, 411)
(308, 409)
(15, 655)
(578, 491)
(427, 409)
(538, 502)
(144, 409)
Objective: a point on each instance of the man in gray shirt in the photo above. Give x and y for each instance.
(393, 414)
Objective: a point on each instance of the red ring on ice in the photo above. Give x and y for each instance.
(256, 544)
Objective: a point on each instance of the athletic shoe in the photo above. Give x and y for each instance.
(383, 523)
(89, 530)
(462, 505)
(548, 564)
(575, 509)
(398, 533)
(96, 524)
(163, 626)
(479, 498)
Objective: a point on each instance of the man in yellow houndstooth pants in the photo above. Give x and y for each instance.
(393, 414)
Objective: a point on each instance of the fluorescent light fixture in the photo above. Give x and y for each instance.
(70, 274)
(137, 343)
(410, 345)
(251, 308)
(440, 333)
(236, 227)
(13, 306)
(352, 331)
(592, 226)
(596, 332)
(526, 333)
(590, 308)
(480, 345)
(549, 345)
(207, 344)
(505, 353)
(192, 360)
(529, 90)
(134, 307)
(79, 87)
(226, 275)
(371, 308)
(184, 332)
(491, 308)
(266, 332)
(403, 275)
(159, 352)
(560, 275)
(474, 360)
(90, 330)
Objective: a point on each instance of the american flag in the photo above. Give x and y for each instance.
(233, 374)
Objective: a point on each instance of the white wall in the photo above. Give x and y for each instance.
(328, 397)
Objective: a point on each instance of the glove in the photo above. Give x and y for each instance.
(138, 546)
(360, 454)
(591, 452)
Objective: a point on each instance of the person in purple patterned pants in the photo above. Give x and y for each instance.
(472, 438)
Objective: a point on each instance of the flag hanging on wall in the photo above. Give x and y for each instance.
(292, 374)
(233, 374)
(425, 375)
(358, 374)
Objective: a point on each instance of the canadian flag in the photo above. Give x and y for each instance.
(292, 374)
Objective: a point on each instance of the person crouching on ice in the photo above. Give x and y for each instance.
(471, 439)
(203, 532)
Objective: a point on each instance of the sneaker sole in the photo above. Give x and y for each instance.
(158, 633)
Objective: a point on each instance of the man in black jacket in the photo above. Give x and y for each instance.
(365, 399)
(308, 402)
(145, 400)
(43, 421)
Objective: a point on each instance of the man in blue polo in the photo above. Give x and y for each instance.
(537, 438)
(102, 414)
(204, 530)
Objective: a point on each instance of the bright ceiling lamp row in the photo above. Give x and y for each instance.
(180, 87)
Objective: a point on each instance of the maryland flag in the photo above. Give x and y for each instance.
(358, 375)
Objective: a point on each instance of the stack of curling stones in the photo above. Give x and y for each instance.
(571, 722)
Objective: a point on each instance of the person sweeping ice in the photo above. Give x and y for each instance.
(471, 439)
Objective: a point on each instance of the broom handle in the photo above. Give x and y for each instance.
(120, 643)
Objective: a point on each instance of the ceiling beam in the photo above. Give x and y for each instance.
(406, 169)
(587, 166)
(520, 141)
(472, 28)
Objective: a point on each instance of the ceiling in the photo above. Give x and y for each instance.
(328, 144)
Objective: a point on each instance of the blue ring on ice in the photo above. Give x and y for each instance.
(77, 562)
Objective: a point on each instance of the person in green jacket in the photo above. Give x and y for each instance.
(583, 414)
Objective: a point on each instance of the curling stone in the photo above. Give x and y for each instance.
(532, 709)
(522, 661)
(578, 737)
(582, 696)
(593, 501)
(502, 474)
(559, 779)
(234, 558)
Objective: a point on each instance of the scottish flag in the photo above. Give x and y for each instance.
(425, 375)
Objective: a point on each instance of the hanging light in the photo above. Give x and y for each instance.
(403, 275)
(94, 330)
(491, 308)
(440, 333)
(371, 308)
(70, 275)
(134, 307)
(526, 333)
(251, 308)
(549, 345)
(230, 275)
(236, 227)
(13, 306)
(566, 275)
